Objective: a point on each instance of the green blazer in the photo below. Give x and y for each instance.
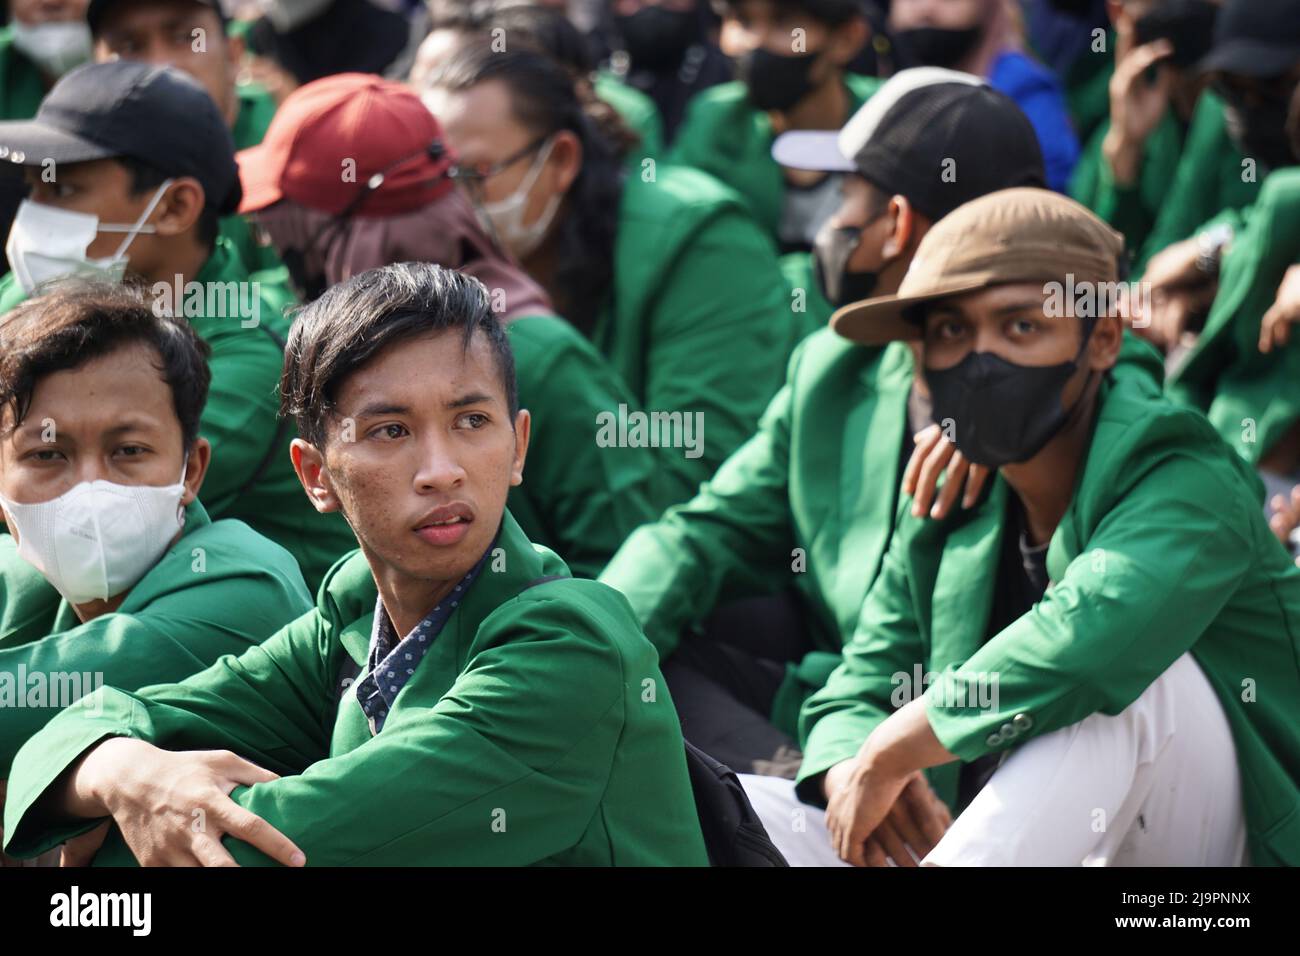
(256, 108)
(1164, 549)
(1252, 398)
(807, 502)
(578, 499)
(695, 280)
(536, 730)
(240, 420)
(220, 589)
(724, 135)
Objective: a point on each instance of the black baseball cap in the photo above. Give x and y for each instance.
(154, 114)
(939, 137)
(1256, 38)
(98, 8)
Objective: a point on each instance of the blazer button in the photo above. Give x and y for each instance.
(993, 740)
(1022, 721)
(1008, 732)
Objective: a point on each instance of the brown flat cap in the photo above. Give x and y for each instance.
(1013, 235)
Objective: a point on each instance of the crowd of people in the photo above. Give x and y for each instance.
(892, 402)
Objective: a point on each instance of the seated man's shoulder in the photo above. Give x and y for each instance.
(578, 611)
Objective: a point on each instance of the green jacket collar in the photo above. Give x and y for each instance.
(347, 598)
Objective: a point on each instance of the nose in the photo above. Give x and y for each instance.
(440, 469)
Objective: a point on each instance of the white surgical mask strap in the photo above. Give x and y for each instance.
(139, 226)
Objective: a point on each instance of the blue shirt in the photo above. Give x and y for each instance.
(392, 662)
(1038, 94)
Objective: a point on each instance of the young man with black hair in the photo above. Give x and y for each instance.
(792, 58)
(100, 466)
(130, 167)
(1097, 663)
(503, 712)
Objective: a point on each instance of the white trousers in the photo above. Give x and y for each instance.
(1155, 785)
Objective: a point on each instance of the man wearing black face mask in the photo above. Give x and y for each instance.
(791, 56)
(1073, 650)
(666, 53)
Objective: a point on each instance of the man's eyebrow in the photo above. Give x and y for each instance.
(474, 398)
(382, 408)
(1021, 306)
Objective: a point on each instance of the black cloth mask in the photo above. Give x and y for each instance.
(776, 81)
(1002, 412)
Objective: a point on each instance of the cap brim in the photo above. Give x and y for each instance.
(811, 149)
(259, 177)
(32, 143)
(1253, 58)
(880, 320)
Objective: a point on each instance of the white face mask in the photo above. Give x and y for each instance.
(98, 539)
(506, 216)
(47, 243)
(54, 47)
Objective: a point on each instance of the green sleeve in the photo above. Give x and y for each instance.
(175, 635)
(578, 498)
(268, 705)
(712, 350)
(482, 755)
(734, 538)
(1209, 180)
(860, 693)
(1150, 579)
(28, 602)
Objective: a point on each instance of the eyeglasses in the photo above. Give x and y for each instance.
(474, 176)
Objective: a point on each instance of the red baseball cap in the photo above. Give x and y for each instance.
(330, 137)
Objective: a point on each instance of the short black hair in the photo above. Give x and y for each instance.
(147, 178)
(78, 320)
(355, 320)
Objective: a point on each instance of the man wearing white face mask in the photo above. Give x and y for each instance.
(101, 462)
(44, 39)
(130, 167)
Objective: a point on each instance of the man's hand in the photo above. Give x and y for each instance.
(1275, 329)
(932, 455)
(1136, 107)
(1179, 292)
(172, 808)
(872, 820)
(1284, 516)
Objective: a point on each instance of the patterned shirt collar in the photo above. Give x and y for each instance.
(392, 662)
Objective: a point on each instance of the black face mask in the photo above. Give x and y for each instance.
(1003, 412)
(776, 82)
(1187, 24)
(1260, 132)
(936, 46)
(656, 38)
(831, 252)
